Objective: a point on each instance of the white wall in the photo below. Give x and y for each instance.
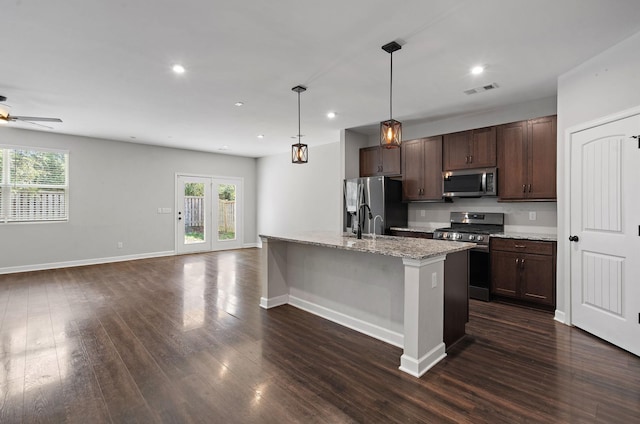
(605, 84)
(294, 198)
(115, 191)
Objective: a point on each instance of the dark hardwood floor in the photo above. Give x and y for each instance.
(182, 339)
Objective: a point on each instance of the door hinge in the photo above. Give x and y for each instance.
(638, 317)
(637, 137)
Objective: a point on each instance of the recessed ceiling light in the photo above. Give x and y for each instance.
(238, 104)
(178, 69)
(477, 70)
(331, 115)
(260, 135)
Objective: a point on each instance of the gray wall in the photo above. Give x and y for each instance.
(115, 191)
(294, 198)
(606, 84)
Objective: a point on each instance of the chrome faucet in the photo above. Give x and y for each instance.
(373, 234)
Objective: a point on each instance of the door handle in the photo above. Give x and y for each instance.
(524, 188)
(574, 238)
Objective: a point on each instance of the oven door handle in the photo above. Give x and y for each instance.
(481, 248)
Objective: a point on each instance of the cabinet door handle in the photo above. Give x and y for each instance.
(524, 188)
(520, 246)
(522, 264)
(471, 159)
(529, 188)
(517, 261)
(466, 159)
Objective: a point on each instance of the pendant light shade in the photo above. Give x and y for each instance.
(391, 130)
(299, 151)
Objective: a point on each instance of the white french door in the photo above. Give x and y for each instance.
(605, 225)
(227, 213)
(208, 213)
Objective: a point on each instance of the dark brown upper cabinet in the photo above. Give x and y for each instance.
(470, 149)
(422, 169)
(376, 161)
(527, 160)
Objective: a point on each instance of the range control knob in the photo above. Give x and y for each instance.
(472, 237)
(457, 236)
(480, 238)
(447, 235)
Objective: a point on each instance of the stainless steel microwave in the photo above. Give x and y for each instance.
(470, 182)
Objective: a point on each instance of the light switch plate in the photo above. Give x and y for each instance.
(532, 216)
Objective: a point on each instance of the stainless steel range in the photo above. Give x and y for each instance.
(475, 227)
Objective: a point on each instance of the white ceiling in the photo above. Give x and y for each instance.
(104, 67)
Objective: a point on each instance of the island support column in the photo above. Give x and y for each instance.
(423, 315)
(275, 290)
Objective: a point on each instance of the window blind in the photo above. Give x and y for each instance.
(34, 185)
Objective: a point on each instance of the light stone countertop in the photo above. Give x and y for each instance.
(527, 236)
(507, 234)
(401, 247)
(415, 229)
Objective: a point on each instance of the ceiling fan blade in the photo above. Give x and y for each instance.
(33, 118)
(35, 123)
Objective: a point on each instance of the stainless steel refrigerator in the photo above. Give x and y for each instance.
(377, 201)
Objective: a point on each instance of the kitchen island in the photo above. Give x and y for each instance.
(391, 288)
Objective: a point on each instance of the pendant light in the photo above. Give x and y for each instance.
(299, 151)
(391, 130)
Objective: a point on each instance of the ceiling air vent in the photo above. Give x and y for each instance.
(481, 88)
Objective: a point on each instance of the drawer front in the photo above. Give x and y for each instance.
(522, 246)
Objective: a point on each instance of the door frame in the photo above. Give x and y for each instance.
(563, 235)
(239, 210)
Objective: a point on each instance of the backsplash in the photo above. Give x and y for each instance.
(516, 214)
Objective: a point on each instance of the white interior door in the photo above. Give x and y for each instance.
(227, 213)
(193, 214)
(605, 218)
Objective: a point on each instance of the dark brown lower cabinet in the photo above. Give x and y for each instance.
(524, 270)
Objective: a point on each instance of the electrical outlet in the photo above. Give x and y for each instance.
(423, 213)
(120, 244)
(434, 280)
(532, 216)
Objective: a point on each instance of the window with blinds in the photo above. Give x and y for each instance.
(33, 185)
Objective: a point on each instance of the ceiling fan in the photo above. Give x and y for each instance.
(6, 117)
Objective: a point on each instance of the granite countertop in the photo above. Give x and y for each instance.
(527, 236)
(401, 247)
(507, 234)
(415, 229)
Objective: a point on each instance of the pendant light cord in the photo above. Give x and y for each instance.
(391, 90)
(298, 117)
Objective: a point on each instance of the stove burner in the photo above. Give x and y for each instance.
(472, 227)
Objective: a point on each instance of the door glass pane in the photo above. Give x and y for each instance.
(226, 212)
(194, 213)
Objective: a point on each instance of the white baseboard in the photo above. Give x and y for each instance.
(84, 262)
(418, 367)
(274, 301)
(560, 317)
(249, 245)
(387, 336)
